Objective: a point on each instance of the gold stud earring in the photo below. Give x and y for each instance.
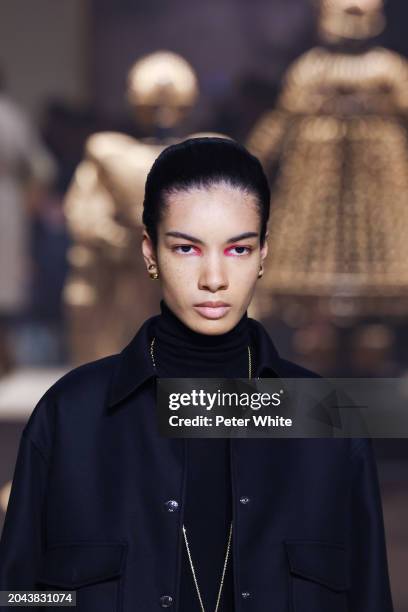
(260, 273)
(153, 275)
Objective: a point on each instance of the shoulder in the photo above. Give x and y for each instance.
(93, 373)
(101, 145)
(269, 356)
(360, 450)
(76, 394)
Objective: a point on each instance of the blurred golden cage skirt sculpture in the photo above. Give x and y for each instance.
(337, 143)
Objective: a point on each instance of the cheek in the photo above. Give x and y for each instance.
(247, 269)
(174, 273)
(244, 281)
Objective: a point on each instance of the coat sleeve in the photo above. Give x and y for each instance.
(22, 540)
(370, 585)
(23, 537)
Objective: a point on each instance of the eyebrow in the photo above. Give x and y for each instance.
(198, 241)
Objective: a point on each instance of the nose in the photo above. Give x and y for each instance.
(213, 275)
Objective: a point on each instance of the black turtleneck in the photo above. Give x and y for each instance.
(182, 352)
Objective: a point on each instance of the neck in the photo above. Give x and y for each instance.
(181, 351)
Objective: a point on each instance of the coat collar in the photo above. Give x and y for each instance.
(134, 365)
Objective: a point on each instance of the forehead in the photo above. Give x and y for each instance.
(219, 208)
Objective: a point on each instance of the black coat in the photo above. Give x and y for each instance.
(97, 503)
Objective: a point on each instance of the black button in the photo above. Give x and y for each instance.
(245, 594)
(244, 500)
(166, 601)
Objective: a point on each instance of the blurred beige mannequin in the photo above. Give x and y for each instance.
(337, 145)
(108, 293)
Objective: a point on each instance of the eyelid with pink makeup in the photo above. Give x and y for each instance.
(248, 248)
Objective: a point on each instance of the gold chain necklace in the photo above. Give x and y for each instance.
(223, 571)
(184, 529)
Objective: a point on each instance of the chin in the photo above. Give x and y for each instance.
(213, 327)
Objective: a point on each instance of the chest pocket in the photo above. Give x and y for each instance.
(319, 576)
(95, 570)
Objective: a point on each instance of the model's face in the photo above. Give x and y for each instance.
(208, 251)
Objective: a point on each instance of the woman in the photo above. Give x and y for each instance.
(133, 521)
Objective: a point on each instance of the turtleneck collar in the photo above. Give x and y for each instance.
(183, 352)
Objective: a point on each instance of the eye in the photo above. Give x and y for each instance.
(242, 250)
(185, 248)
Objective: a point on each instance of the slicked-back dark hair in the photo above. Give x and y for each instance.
(203, 162)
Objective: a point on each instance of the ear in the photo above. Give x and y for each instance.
(148, 250)
(264, 249)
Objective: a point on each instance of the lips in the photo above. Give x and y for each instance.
(212, 304)
(212, 310)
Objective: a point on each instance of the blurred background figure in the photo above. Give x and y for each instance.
(335, 148)
(107, 287)
(26, 172)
